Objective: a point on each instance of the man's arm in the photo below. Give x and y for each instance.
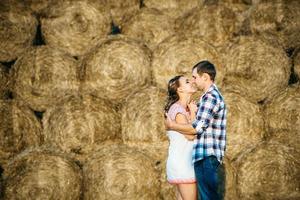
(208, 107)
(186, 129)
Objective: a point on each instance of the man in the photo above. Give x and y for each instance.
(210, 130)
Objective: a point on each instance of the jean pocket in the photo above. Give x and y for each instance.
(211, 162)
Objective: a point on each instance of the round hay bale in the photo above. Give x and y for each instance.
(149, 25)
(43, 75)
(216, 23)
(4, 82)
(289, 138)
(297, 64)
(120, 172)
(230, 181)
(19, 129)
(277, 18)
(178, 54)
(256, 69)
(143, 116)
(283, 112)
(36, 174)
(116, 68)
(17, 31)
(34, 6)
(272, 171)
(173, 8)
(76, 26)
(80, 123)
(245, 125)
(122, 11)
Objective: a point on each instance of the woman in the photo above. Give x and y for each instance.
(180, 169)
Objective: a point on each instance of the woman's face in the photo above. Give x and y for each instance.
(186, 86)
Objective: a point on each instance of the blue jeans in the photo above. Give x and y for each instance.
(210, 177)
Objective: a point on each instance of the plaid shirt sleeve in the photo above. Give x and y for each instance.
(208, 106)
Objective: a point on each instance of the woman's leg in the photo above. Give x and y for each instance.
(178, 195)
(188, 191)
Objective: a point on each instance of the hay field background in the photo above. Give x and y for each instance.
(83, 85)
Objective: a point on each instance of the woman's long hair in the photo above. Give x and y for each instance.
(173, 85)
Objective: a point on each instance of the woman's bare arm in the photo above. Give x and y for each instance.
(182, 119)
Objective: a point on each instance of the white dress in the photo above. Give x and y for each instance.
(180, 168)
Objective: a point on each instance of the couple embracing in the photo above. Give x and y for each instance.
(197, 135)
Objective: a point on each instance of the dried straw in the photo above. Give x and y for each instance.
(19, 129)
(116, 68)
(178, 54)
(173, 8)
(297, 64)
(76, 26)
(33, 6)
(122, 11)
(149, 25)
(216, 23)
(120, 172)
(44, 75)
(277, 18)
(272, 171)
(4, 82)
(143, 116)
(41, 174)
(230, 181)
(283, 112)
(17, 31)
(245, 124)
(81, 123)
(256, 69)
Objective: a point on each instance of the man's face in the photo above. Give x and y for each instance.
(197, 79)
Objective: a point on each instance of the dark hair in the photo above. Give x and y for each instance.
(172, 92)
(206, 67)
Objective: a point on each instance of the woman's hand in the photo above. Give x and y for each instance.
(192, 107)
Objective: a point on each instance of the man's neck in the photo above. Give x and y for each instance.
(206, 88)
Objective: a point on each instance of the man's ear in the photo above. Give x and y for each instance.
(206, 76)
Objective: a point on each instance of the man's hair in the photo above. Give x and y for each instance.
(206, 67)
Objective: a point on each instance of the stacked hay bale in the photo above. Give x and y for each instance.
(143, 129)
(178, 54)
(19, 129)
(80, 124)
(33, 6)
(4, 82)
(256, 69)
(278, 19)
(150, 26)
(173, 8)
(17, 31)
(43, 75)
(231, 192)
(286, 127)
(122, 11)
(245, 127)
(271, 171)
(76, 26)
(215, 23)
(297, 64)
(116, 68)
(42, 174)
(120, 172)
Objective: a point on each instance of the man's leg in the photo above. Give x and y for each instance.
(210, 178)
(198, 167)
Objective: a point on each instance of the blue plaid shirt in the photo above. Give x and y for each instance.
(210, 124)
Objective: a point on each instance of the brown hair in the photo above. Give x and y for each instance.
(206, 67)
(172, 92)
